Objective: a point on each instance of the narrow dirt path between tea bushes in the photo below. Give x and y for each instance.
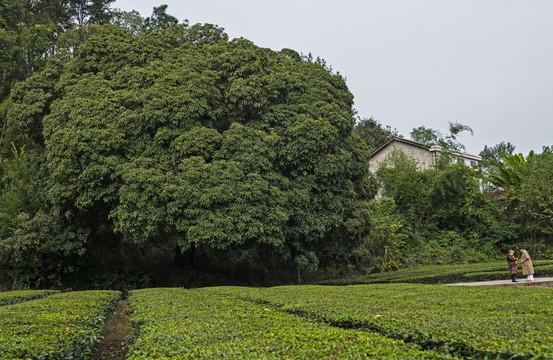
(117, 335)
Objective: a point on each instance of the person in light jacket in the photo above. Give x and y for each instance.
(527, 267)
(512, 262)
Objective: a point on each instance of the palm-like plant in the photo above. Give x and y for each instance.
(510, 171)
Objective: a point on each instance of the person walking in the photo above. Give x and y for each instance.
(527, 267)
(513, 268)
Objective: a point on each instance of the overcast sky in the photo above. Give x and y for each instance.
(487, 64)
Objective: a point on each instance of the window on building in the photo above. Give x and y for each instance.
(459, 160)
(473, 163)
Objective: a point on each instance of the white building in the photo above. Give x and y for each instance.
(425, 154)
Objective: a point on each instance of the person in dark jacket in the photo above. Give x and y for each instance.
(512, 262)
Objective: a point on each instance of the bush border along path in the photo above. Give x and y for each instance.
(443, 274)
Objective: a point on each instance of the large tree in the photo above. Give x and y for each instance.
(182, 137)
(32, 32)
(491, 155)
(431, 136)
(373, 133)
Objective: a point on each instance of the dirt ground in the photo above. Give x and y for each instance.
(117, 335)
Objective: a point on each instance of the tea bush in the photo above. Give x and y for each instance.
(476, 322)
(13, 297)
(60, 326)
(190, 324)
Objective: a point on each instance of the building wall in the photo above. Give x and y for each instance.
(467, 161)
(424, 156)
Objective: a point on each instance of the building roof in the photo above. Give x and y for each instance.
(405, 141)
(456, 153)
(430, 148)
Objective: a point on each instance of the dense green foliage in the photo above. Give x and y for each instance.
(431, 136)
(526, 196)
(191, 324)
(60, 326)
(435, 215)
(31, 32)
(181, 138)
(474, 322)
(491, 155)
(373, 133)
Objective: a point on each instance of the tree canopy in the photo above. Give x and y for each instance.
(431, 136)
(373, 133)
(180, 136)
(526, 185)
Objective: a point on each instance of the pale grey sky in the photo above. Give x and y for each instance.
(484, 63)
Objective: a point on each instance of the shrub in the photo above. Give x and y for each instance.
(473, 322)
(186, 324)
(60, 326)
(13, 297)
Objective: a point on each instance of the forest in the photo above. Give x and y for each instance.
(148, 151)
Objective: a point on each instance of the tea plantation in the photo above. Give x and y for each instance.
(58, 326)
(381, 321)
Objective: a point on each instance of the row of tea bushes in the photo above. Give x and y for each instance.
(475, 322)
(60, 326)
(189, 324)
(13, 297)
(443, 274)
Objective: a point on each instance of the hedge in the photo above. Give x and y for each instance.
(189, 324)
(60, 326)
(13, 297)
(475, 322)
(443, 274)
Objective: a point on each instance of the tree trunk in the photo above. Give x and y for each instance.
(184, 259)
